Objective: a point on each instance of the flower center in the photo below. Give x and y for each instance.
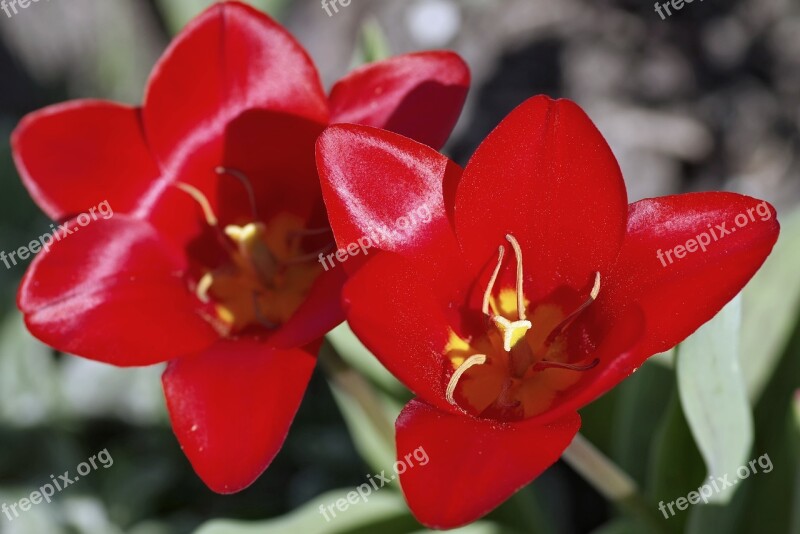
(516, 367)
(267, 273)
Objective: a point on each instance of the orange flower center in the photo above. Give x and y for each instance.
(268, 273)
(517, 367)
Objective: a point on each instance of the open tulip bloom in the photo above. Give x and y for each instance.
(210, 259)
(534, 289)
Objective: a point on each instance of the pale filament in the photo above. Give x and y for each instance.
(488, 293)
(245, 181)
(475, 359)
(520, 296)
(574, 315)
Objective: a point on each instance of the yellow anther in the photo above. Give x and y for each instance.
(475, 359)
(512, 331)
(226, 315)
(245, 235)
(203, 286)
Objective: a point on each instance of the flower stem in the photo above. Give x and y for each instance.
(611, 482)
(358, 389)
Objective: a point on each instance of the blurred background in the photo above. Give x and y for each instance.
(707, 99)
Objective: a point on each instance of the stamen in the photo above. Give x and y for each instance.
(511, 330)
(260, 315)
(574, 315)
(596, 288)
(520, 296)
(487, 295)
(475, 359)
(203, 286)
(201, 199)
(246, 234)
(248, 186)
(545, 364)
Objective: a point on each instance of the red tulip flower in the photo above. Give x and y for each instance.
(210, 259)
(534, 289)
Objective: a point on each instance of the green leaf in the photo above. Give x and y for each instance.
(771, 494)
(481, 527)
(676, 464)
(177, 14)
(714, 397)
(770, 305)
(28, 376)
(384, 511)
(370, 441)
(356, 354)
(642, 404)
(795, 445)
(620, 526)
(373, 45)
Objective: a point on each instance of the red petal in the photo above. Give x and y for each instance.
(231, 407)
(387, 192)
(320, 313)
(398, 317)
(473, 464)
(275, 152)
(678, 298)
(547, 176)
(74, 156)
(417, 95)
(112, 291)
(229, 59)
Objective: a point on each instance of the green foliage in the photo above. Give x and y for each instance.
(713, 396)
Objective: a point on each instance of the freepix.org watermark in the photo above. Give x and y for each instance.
(45, 241)
(677, 5)
(12, 7)
(405, 223)
(717, 485)
(57, 484)
(702, 240)
(363, 491)
(331, 7)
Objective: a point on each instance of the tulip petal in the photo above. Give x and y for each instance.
(387, 192)
(678, 297)
(73, 156)
(546, 176)
(397, 315)
(417, 95)
(473, 464)
(229, 59)
(319, 313)
(275, 152)
(231, 407)
(112, 291)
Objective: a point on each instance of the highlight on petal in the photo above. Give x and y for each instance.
(73, 156)
(473, 465)
(684, 257)
(231, 407)
(384, 190)
(546, 176)
(113, 291)
(417, 95)
(229, 59)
